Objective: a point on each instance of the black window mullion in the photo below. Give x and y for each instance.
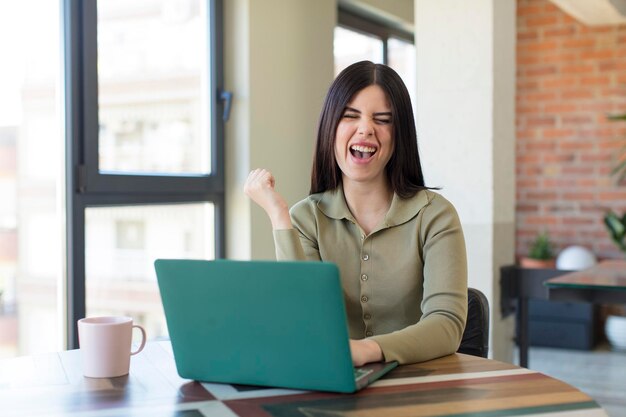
(74, 218)
(88, 163)
(217, 127)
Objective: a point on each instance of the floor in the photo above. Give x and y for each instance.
(600, 373)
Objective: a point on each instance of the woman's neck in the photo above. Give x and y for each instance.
(368, 202)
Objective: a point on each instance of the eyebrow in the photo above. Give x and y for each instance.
(352, 109)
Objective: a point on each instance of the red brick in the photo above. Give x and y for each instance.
(597, 54)
(528, 109)
(541, 195)
(605, 171)
(570, 145)
(577, 94)
(559, 32)
(526, 207)
(597, 107)
(579, 196)
(577, 170)
(604, 132)
(528, 60)
(596, 29)
(541, 21)
(528, 159)
(541, 220)
(557, 133)
(539, 71)
(552, 158)
(593, 182)
(577, 42)
(595, 158)
(540, 121)
(616, 91)
(528, 35)
(540, 146)
(543, 46)
(599, 80)
(541, 96)
(577, 69)
(561, 107)
(527, 85)
(577, 221)
(526, 133)
(560, 82)
(577, 119)
(613, 196)
(528, 10)
(527, 183)
(558, 182)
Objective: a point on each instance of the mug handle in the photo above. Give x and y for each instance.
(143, 340)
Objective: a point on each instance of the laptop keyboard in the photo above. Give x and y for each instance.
(360, 372)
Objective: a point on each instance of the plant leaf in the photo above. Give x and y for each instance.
(617, 116)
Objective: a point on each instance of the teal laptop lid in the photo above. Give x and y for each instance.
(279, 324)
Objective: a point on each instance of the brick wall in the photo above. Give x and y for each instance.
(569, 77)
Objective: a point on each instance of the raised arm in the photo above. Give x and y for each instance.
(260, 188)
(289, 241)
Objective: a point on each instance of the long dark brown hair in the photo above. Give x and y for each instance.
(404, 170)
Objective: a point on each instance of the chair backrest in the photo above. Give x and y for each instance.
(475, 339)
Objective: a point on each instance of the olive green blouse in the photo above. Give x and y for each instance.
(404, 284)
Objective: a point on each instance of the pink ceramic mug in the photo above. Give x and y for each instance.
(105, 345)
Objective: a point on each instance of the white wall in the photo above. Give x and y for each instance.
(465, 121)
(278, 63)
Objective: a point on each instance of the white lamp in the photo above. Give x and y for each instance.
(575, 258)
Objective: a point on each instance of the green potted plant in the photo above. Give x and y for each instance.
(541, 253)
(617, 229)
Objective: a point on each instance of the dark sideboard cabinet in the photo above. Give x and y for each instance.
(558, 324)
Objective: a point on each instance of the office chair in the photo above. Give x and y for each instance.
(475, 339)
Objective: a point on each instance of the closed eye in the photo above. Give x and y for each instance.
(383, 121)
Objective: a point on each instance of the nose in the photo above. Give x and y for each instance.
(366, 128)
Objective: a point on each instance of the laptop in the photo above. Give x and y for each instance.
(267, 323)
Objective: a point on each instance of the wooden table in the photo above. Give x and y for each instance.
(460, 385)
(602, 283)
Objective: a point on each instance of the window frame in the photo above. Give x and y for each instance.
(370, 26)
(87, 187)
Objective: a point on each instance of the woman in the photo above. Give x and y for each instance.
(398, 245)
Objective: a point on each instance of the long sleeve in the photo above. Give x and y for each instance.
(293, 244)
(444, 302)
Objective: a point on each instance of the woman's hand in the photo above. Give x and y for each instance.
(260, 188)
(365, 351)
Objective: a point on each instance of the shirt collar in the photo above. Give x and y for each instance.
(333, 204)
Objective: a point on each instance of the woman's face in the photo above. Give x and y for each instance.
(364, 137)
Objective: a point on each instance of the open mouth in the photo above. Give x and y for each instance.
(362, 152)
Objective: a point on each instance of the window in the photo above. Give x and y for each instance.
(145, 174)
(358, 38)
(110, 156)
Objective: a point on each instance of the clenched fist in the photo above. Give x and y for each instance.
(260, 187)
